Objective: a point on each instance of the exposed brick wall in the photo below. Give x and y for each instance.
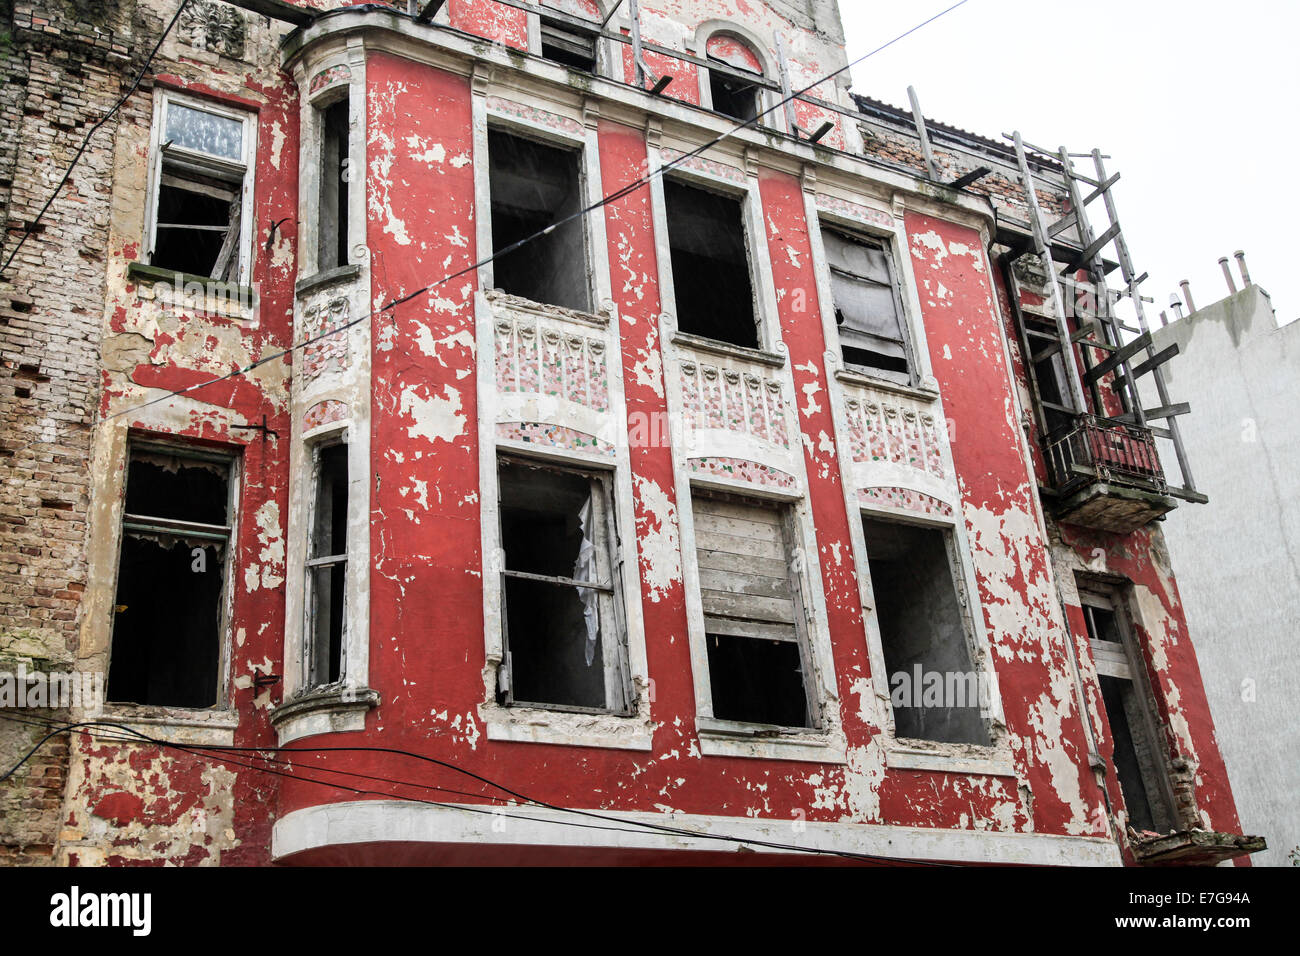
(63, 65)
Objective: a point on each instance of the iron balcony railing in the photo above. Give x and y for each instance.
(1094, 449)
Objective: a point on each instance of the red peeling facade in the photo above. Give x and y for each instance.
(411, 759)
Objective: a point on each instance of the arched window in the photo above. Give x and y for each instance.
(732, 74)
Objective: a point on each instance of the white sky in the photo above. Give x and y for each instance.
(1195, 103)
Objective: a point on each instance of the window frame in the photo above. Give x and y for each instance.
(762, 284)
(786, 520)
(307, 682)
(611, 603)
(886, 246)
(1128, 665)
(232, 460)
(245, 168)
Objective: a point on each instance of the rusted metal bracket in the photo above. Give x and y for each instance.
(264, 428)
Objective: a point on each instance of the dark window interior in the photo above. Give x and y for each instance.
(1114, 692)
(569, 45)
(711, 277)
(867, 309)
(921, 624)
(167, 610)
(733, 96)
(533, 187)
(757, 681)
(543, 513)
(327, 565)
(332, 223)
(197, 223)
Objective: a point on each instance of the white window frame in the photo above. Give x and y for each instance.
(309, 649)
(762, 283)
(245, 168)
(587, 145)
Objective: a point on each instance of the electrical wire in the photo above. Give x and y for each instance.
(642, 825)
(139, 77)
(515, 246)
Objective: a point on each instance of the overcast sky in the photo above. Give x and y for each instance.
(1195, 102)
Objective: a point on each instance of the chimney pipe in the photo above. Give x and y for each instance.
(1241, 264)
(1227, 274)
(1187, 294)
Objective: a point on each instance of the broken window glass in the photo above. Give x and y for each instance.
(199, 192)
(327, 561)
(753, 623)
(569, 44)
(868, 311)
(332, 220)
(564, 640)
(533, 187)
(710, 262)
(936, 692)
(167, 614)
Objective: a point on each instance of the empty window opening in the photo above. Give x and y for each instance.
(733, 96)
(935, 690)
(711, 273)
(327, 560)
(535, 186)
(564, 639)
(759, 669)
(1136, 760)
(868, 309)
(332, 220)
(569, 44)
(198, 205)
(167, 614)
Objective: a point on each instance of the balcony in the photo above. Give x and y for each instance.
(1106, 475)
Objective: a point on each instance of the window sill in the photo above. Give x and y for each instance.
(567, 728)
(330, 710)
(333, 276)
(504, 301)
(214, 728)
(701, 344)
(730, 738)
(921, 393)
(218, 295)
(905, 754)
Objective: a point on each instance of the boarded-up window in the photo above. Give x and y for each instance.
(534, 186)
(868, 310)
(565, 42)
(564, 637)
(711, 274)
(753, 615)
(936, 693)
(327, 562)
(167, 614)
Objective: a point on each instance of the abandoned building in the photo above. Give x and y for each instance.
(454, 437)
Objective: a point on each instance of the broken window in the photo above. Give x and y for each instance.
(567, 43)
(710, 261)
(564, 639)
(1136, 758)
(332, 210)
(167, 614)
(200, 174)
(327, 562)
(936, 692)
(534, 186)
(733, 95)
(759, 668)
(868, 308)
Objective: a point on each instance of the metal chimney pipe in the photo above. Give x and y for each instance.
(1227, 274)
(1187, 294)
(1241, 264)
(1164, 319)
(1176, 304)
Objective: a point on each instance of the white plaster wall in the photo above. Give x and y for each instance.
(1237, 559)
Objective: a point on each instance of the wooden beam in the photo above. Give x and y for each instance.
(1118, 357)
(973, 176)
(429, 10)
(1087, 255)
(1154, 362)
